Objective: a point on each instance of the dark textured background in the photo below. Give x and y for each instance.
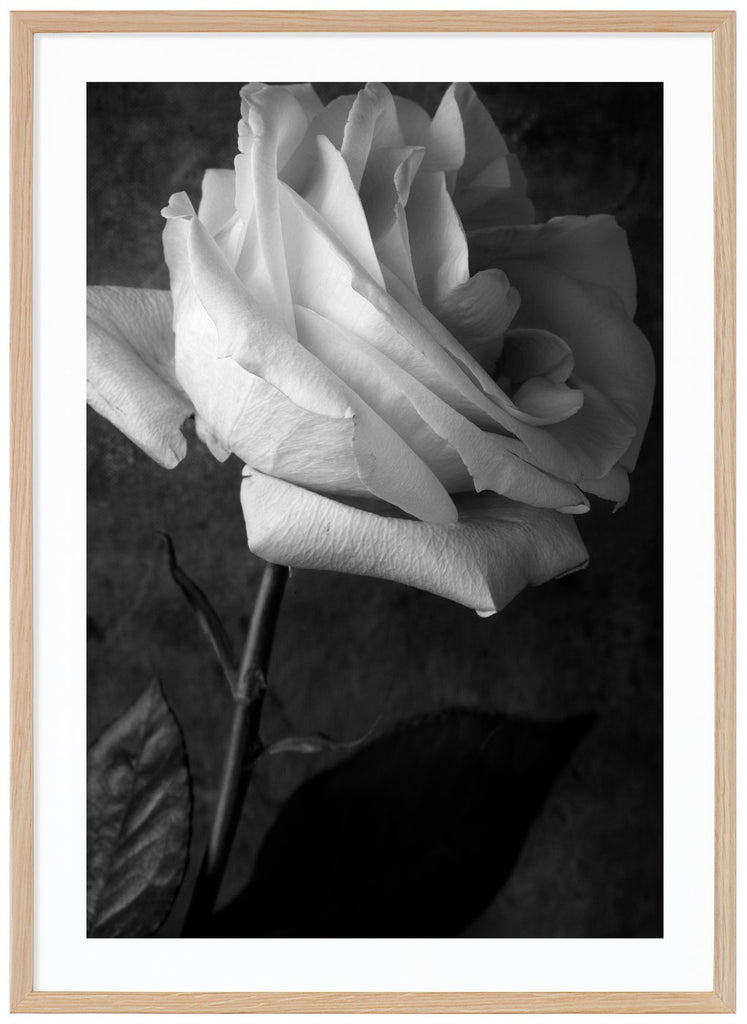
(350, 649)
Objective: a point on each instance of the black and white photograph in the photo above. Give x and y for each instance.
(374, 500)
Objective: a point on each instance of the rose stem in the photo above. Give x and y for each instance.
(244, 743)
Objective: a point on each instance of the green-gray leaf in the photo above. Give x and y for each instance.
(139, 819)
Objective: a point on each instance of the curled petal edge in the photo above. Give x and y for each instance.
(496, 548)
(130, 369)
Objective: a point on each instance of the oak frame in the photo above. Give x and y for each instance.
(721, 25)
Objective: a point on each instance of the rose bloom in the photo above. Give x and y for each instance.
(423, 384)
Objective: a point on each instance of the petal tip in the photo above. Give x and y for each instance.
(179, 206)
(575, 510)
(575, 568)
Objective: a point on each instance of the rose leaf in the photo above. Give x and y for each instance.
(139, 819)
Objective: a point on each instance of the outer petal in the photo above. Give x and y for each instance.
(598, 435)
(495, 549)
(585, 298)
(496, 196)
(590, 249)
(487, 182)
(130, 372)
(484, 144)
(615, 486)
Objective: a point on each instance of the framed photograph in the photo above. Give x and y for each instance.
(352, 602)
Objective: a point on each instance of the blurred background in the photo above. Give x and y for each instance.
(351, 652)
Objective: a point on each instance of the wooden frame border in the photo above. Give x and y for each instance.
(24, 25)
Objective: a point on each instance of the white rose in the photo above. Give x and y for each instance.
(329, 329)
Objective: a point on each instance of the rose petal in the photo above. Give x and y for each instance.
(593, 250)
(225, 395)
(272, 402)
(597, 436)
(533, 353)
(243, 414)
(386, 184)
(414, 122)
(434, 430)
(541, 397)
(130, 369)
(355, 456)
(332, 119)
(560, 449)
(615, 486)
(209, 437)
(579, 303)
(475, 310)
(485, 146)
(496, 195)
(230, 240)
(485, 160)
(326, 280)
(478, 207)
(496, 549)
(488, 173)
(277, 123)
(478, 313)
(218, 203)
(332, 194)
(437, 240)
(305, 94)
(384, 191)
(330, 122)
(328, 446)
(257, 342)
(475, 393)
(445, 142)
(272, 113)
(500, 173)
(240, 412)
(372, 123)
(388, 466)
(372, 378)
